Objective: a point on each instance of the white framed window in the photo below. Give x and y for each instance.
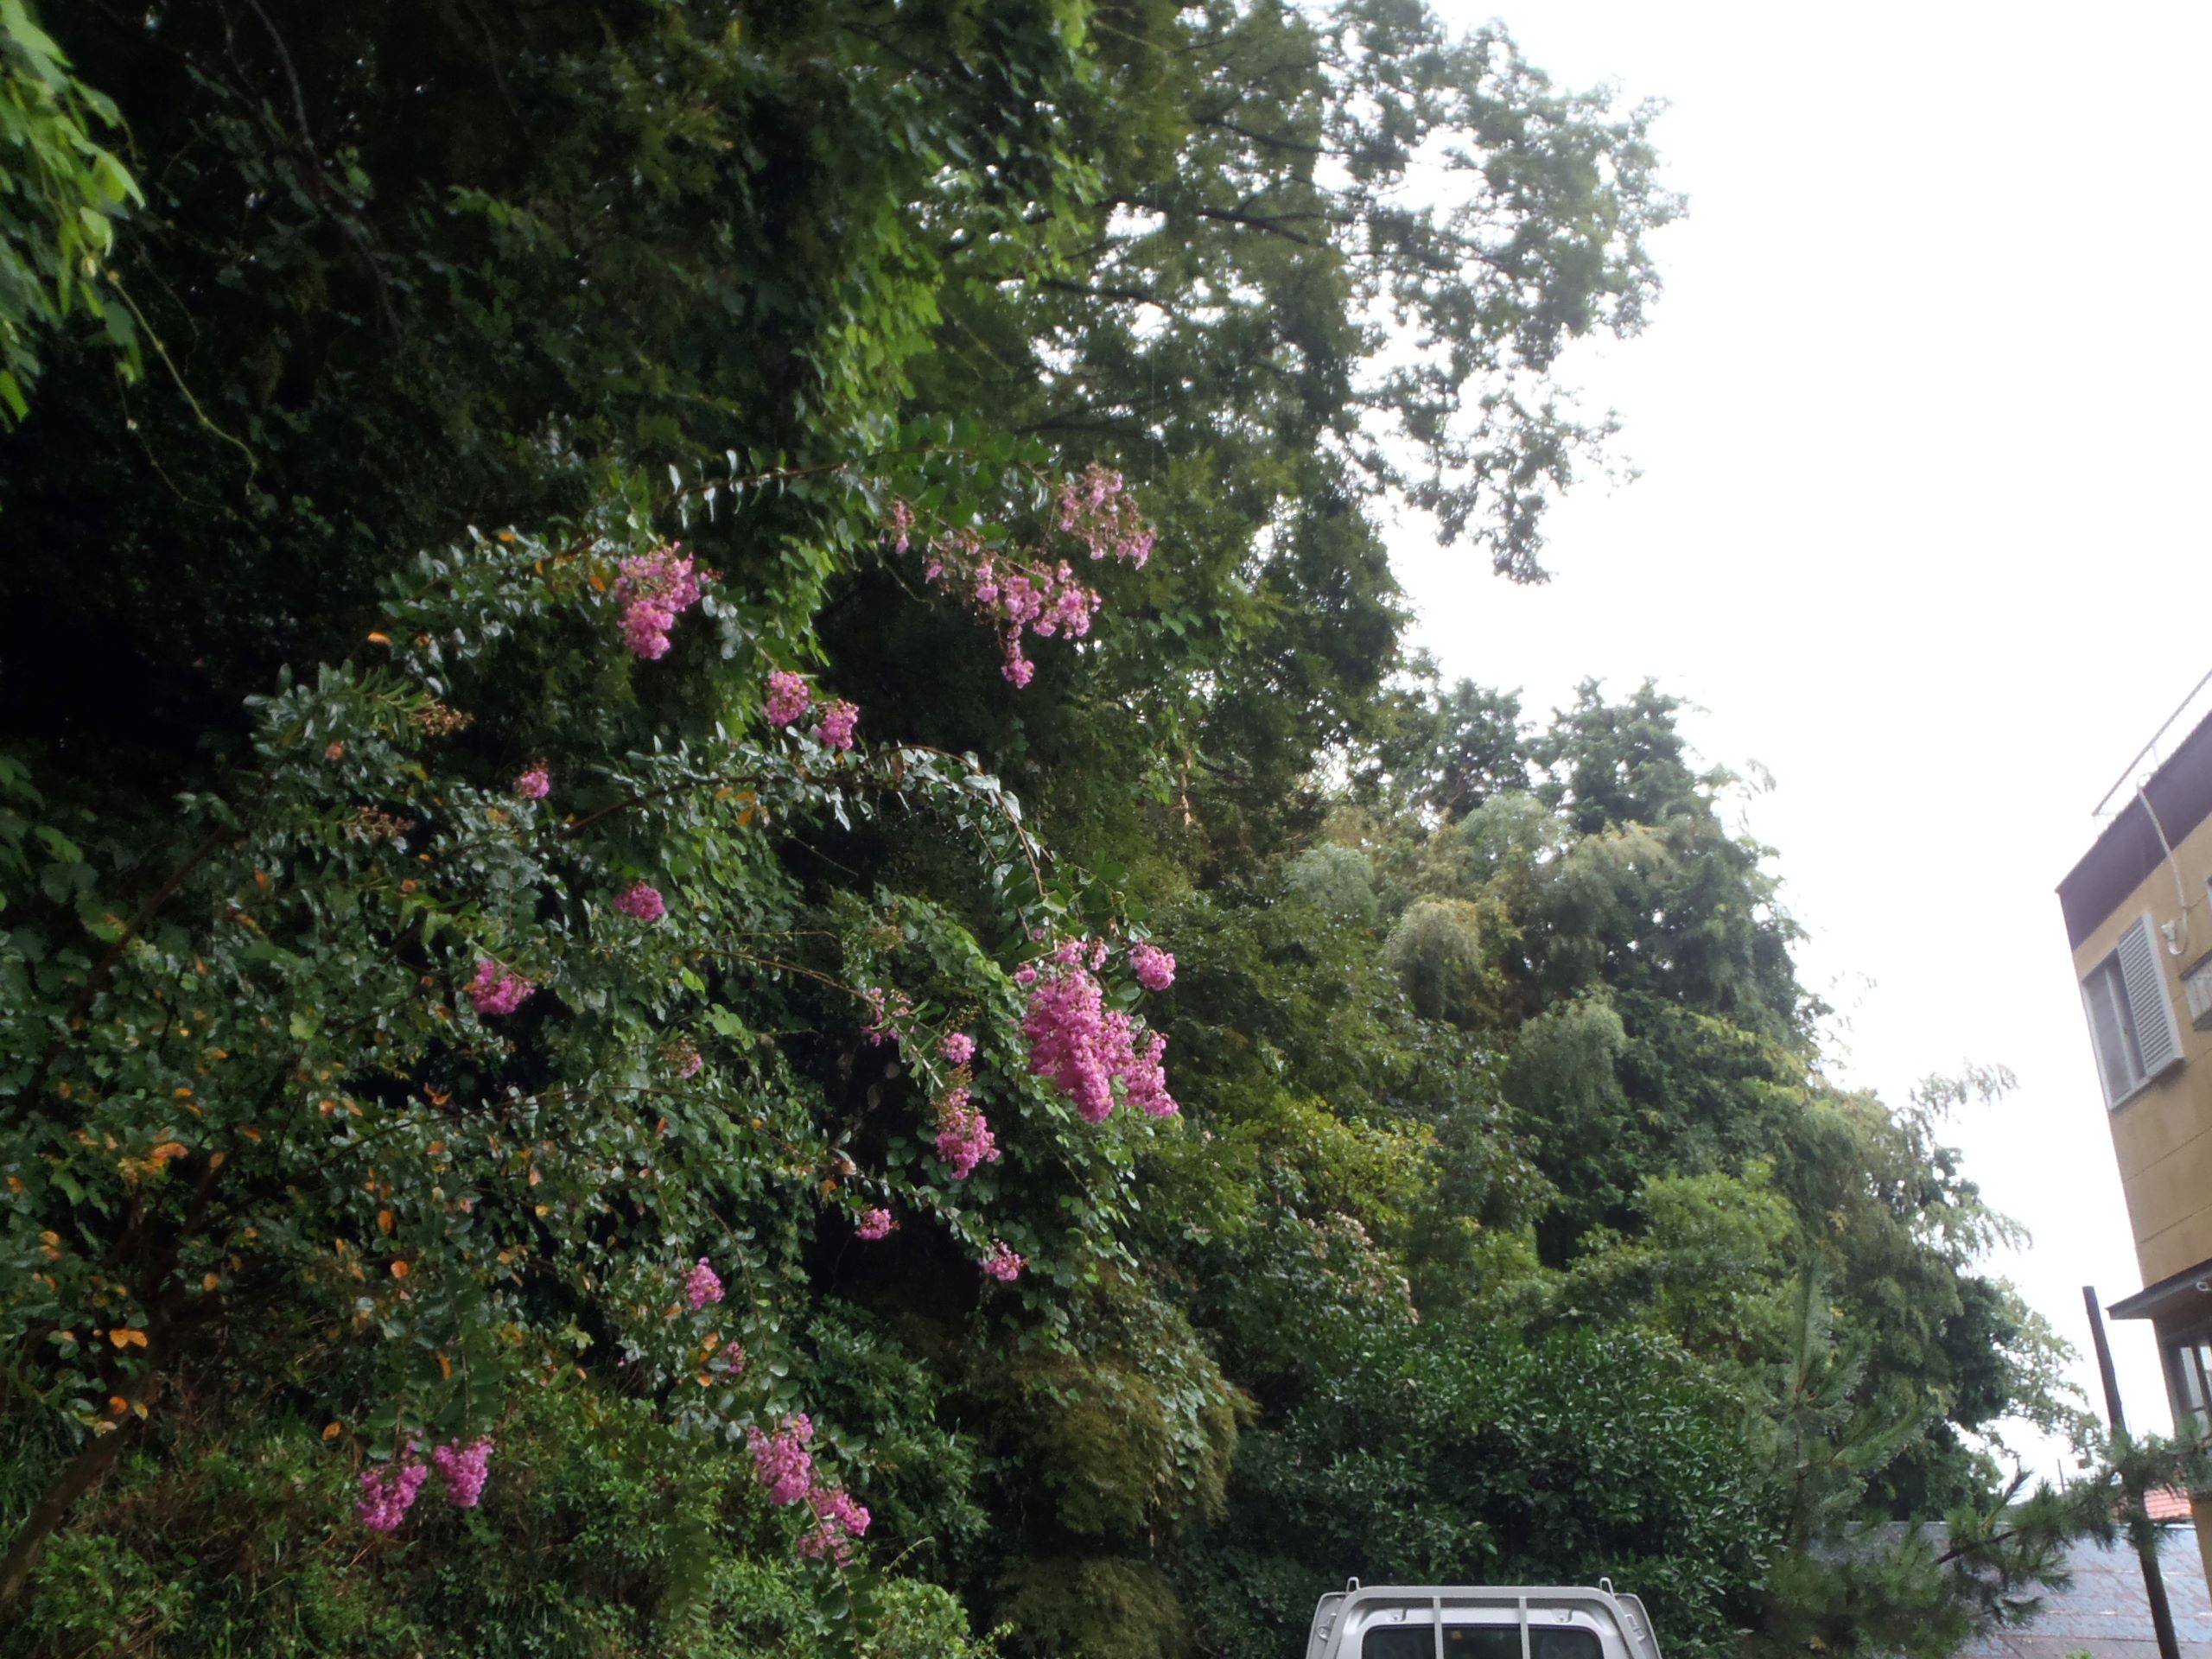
(2191, 1360)
(2130, 1018)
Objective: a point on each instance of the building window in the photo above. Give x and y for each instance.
(2131, 1020)
(2191, 1359)
(2197, 984)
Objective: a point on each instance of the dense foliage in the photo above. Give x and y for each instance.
(60, 193)
(728, 919)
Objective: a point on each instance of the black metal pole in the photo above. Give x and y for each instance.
(2154, 1584)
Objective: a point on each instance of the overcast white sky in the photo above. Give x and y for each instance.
(1921, 421)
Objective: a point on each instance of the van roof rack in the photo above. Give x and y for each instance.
(1613, 1622)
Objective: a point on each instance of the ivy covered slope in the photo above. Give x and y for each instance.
(727, 922)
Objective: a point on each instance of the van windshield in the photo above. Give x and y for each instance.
(1477, 1642)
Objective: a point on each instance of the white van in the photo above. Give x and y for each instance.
(1480, 1622)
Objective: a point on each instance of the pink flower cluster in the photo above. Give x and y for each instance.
(1155, 968)
(838, 1519)
(781, 1460)
(963, 1137)
(641, 899)
(889, 1014)
(838, 720)
(703, 1287)
(534, 785)
(464, 1469)
(1026, 596)
(1002, 1264)
(1095, 510)
(653, 590)
(783, 1464)
(874, 1225)
(388, 1490)
(494, 990)
(1020, 597)
(789, 697)
(1085, 1047)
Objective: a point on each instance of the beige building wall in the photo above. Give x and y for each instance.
(2163, 1134)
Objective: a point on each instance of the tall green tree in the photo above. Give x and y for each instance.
(1282, 191)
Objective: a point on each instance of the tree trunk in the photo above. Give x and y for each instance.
(82, 1473)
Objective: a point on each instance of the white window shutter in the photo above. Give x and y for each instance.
(2156, 1033)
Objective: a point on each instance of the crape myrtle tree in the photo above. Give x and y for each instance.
(368, 1054)
(435, 1072)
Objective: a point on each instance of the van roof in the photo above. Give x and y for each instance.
(1624, 1613)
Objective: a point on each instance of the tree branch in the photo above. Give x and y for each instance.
(1133, 297)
